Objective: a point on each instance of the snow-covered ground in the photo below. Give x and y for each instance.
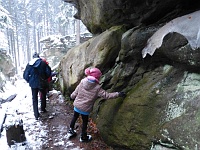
(36, 132)
(21, 108)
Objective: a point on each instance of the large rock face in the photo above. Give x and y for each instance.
(6, 66)
(99, 15)
(7, 69)
(99, 51)
(163, 90)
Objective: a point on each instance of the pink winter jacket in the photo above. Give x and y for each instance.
(87, 92)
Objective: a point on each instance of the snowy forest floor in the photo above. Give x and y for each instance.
(50, 131)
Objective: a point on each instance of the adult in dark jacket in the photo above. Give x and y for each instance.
(36, 74)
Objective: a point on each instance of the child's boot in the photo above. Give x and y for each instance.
(71, 133)
(85, 137)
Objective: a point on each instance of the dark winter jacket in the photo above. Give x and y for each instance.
(35, 70)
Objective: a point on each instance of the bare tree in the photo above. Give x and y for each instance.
(27, 33)
(77, 32)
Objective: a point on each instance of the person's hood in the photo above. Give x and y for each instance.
(35, 62)
(88, 84)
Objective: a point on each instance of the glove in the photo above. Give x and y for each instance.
(122, 94)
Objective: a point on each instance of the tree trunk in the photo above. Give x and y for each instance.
(17, 42)
(27, 33)
(77, 32)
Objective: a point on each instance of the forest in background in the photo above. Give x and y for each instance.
(24, 22)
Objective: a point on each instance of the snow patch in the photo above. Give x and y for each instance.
(188, 26)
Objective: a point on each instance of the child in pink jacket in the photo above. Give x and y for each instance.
(84, 97)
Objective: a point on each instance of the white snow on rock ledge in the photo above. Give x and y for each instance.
(188, 26)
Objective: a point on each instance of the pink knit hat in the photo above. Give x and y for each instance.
(94, 72)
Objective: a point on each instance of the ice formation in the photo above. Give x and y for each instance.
(188, 26)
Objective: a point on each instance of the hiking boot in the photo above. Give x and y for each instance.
(71, 133)
(86, 138)
(37, 117)
(43, 111)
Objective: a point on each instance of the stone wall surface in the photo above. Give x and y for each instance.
(162, 102)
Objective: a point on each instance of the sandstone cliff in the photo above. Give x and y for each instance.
(162, 103)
